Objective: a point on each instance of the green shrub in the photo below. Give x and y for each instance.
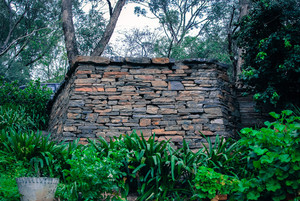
(154, 169)
(274, 159)
(15, 117)
(10, 168)
(225, 156)
(36, 151)
(96, 177)
(209, 183)
(33, 99)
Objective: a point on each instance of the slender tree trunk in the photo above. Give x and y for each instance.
(109, 29)
(69, 31)
(244, 9)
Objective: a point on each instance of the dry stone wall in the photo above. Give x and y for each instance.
(175, 100)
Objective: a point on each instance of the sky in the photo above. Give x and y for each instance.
(128, 20)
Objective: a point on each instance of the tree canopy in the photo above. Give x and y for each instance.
(271, 41)
(29, 32)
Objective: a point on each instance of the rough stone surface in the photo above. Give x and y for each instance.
(175, 100)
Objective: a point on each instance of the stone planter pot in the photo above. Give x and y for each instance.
(37, 188)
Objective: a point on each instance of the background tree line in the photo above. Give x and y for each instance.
(259, 39)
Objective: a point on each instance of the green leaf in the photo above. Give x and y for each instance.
(275, 115)
(272, 185)
(260, 151)
(253, 195)
(257, 164)
(284, 158)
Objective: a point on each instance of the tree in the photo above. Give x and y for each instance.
(270, 37)
(138, 43)
(178, 18)
(29, 32)
(69, 30)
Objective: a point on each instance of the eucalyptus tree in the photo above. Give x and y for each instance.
(98, 42)
(137, 42)
(177, 18)
(29, 31)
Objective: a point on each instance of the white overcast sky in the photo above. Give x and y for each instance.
(128, 20)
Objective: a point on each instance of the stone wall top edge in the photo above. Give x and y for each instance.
(144, 61)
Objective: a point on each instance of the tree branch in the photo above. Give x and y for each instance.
(3, 51)
(109, 29)
(69, 30)
(110, 8)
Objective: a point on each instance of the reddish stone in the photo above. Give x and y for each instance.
(144, 77)
(114, 74)
(159, 83)
(111, 89)
(145, 122)
(83, 72)
(160, 60)
(83, 141)
(158, 131)
(100, 89)
(205, 132)
(166, 71)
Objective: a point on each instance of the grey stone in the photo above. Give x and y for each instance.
(143, 60)
(76, 103)
(176, 86)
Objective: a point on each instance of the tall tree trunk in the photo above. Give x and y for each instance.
(109, 28)
(244, 9)
(69, 31)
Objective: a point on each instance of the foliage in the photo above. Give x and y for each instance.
(92, 175)
(209, 183)
(270, 37)
(274, 160)
(33, 99)
(225, 156)
(30, 30)
(10, 168)
(36, 151)
(153, 168)
(193, 47)
(14, 117)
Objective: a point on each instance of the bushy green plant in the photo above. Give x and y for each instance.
(225, 156)
(13, 116)
(10, 168)
(96, 177)
(209, 183)
(274, 158)
(33, 99)
(154, 169)
(33, 149)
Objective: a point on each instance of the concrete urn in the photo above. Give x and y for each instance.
(37, 188)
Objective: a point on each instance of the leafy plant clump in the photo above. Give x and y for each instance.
(154, 169)
(10, 169)
(38, 154)
(93, 175)
(33, 99)
(274, 159)
(209, 183)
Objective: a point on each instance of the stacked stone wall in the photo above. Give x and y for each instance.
(175, 100)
